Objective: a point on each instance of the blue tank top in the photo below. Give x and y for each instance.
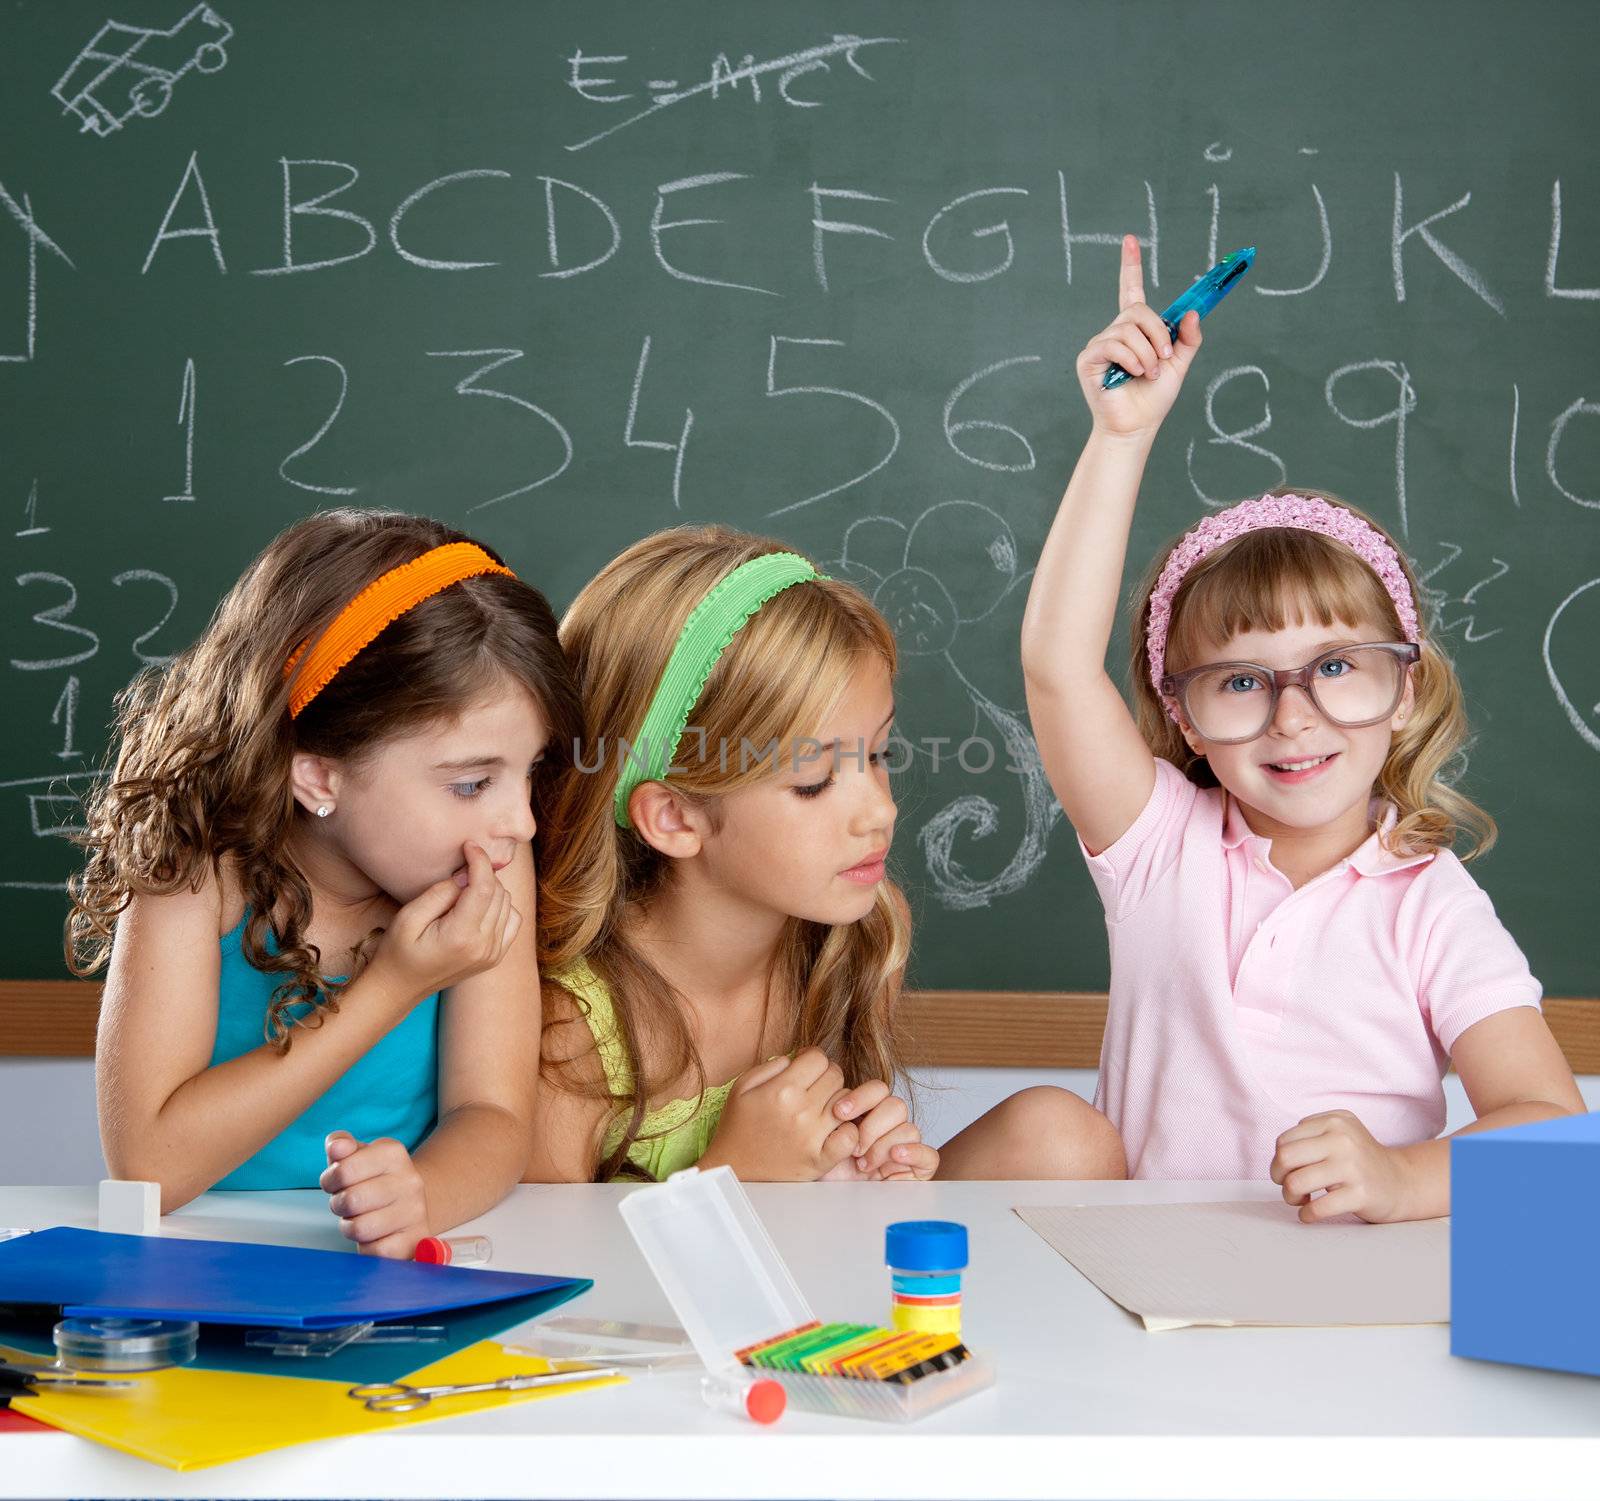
(391, 1090)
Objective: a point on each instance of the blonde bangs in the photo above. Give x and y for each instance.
(794, 662)
(1273, 578)
(779, 680)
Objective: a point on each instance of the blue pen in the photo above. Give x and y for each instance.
(1204, 295)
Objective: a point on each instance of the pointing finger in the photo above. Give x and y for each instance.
(1131, 284)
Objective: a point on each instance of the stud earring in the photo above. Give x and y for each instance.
(324, 811)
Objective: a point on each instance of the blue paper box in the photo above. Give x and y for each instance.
(1525, 1244)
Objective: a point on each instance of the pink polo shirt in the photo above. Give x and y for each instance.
(1239, 1005)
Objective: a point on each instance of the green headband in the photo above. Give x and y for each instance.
(711, 626)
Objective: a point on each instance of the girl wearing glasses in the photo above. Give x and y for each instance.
(1297, 954)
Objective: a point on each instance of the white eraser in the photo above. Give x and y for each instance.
(130, 1208)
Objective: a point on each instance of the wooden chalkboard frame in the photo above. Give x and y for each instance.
(1035, 1029)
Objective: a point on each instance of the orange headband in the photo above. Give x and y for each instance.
(380, 604)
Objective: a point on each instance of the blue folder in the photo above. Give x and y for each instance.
(88, 1273)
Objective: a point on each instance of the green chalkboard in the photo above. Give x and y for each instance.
(563, 274)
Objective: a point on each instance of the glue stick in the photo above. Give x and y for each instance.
(926, 1259)
(454, 1250)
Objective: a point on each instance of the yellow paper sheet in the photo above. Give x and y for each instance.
(188, 1419)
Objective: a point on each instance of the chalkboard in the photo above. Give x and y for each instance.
(562, 274)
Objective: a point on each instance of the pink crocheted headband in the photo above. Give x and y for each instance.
(1306, 513)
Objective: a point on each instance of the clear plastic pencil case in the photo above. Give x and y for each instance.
(731, 1290)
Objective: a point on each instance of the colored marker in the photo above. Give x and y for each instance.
(892, 1352)
(1204, 295)
(789, 1357)
(822, 1362)
(747, 1356)
(454, 1250)
(940, 1361)
(773, 1356)
(884, 1339)
(832, 1337)
(761, 1401)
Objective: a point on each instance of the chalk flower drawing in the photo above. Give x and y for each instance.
(942, 583)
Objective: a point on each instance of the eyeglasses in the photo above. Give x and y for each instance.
(1230, 702)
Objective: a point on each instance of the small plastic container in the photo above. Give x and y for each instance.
(730, 1288)
(454, 1250)
(645, 1348)
(926, 1259)
(761, 1401)
(117, 1344)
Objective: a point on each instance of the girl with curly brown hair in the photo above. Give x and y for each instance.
(310, 881)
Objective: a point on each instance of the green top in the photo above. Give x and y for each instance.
(670, 1139)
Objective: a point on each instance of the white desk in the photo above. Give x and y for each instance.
(1087, 1403)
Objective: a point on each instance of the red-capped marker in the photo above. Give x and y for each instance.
(765, 1401)
(761, 1401)
(453, 1250)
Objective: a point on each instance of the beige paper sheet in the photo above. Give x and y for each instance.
(1252, 1263)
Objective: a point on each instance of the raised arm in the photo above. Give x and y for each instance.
(1097, 762)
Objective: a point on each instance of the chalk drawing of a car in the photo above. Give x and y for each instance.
(131, 70)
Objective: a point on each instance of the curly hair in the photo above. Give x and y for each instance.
(199, 768)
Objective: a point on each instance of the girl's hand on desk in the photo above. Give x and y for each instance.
(1335, 1152)
(1137, 340)
(378, 1194)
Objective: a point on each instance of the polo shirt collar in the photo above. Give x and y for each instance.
(1372, 859)
(1234, 829)
(1368, 859)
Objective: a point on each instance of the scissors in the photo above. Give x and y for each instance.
(397, 1396)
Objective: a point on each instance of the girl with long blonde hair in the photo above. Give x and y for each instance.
(310, 882)
(1297, 953)
(723, 947)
